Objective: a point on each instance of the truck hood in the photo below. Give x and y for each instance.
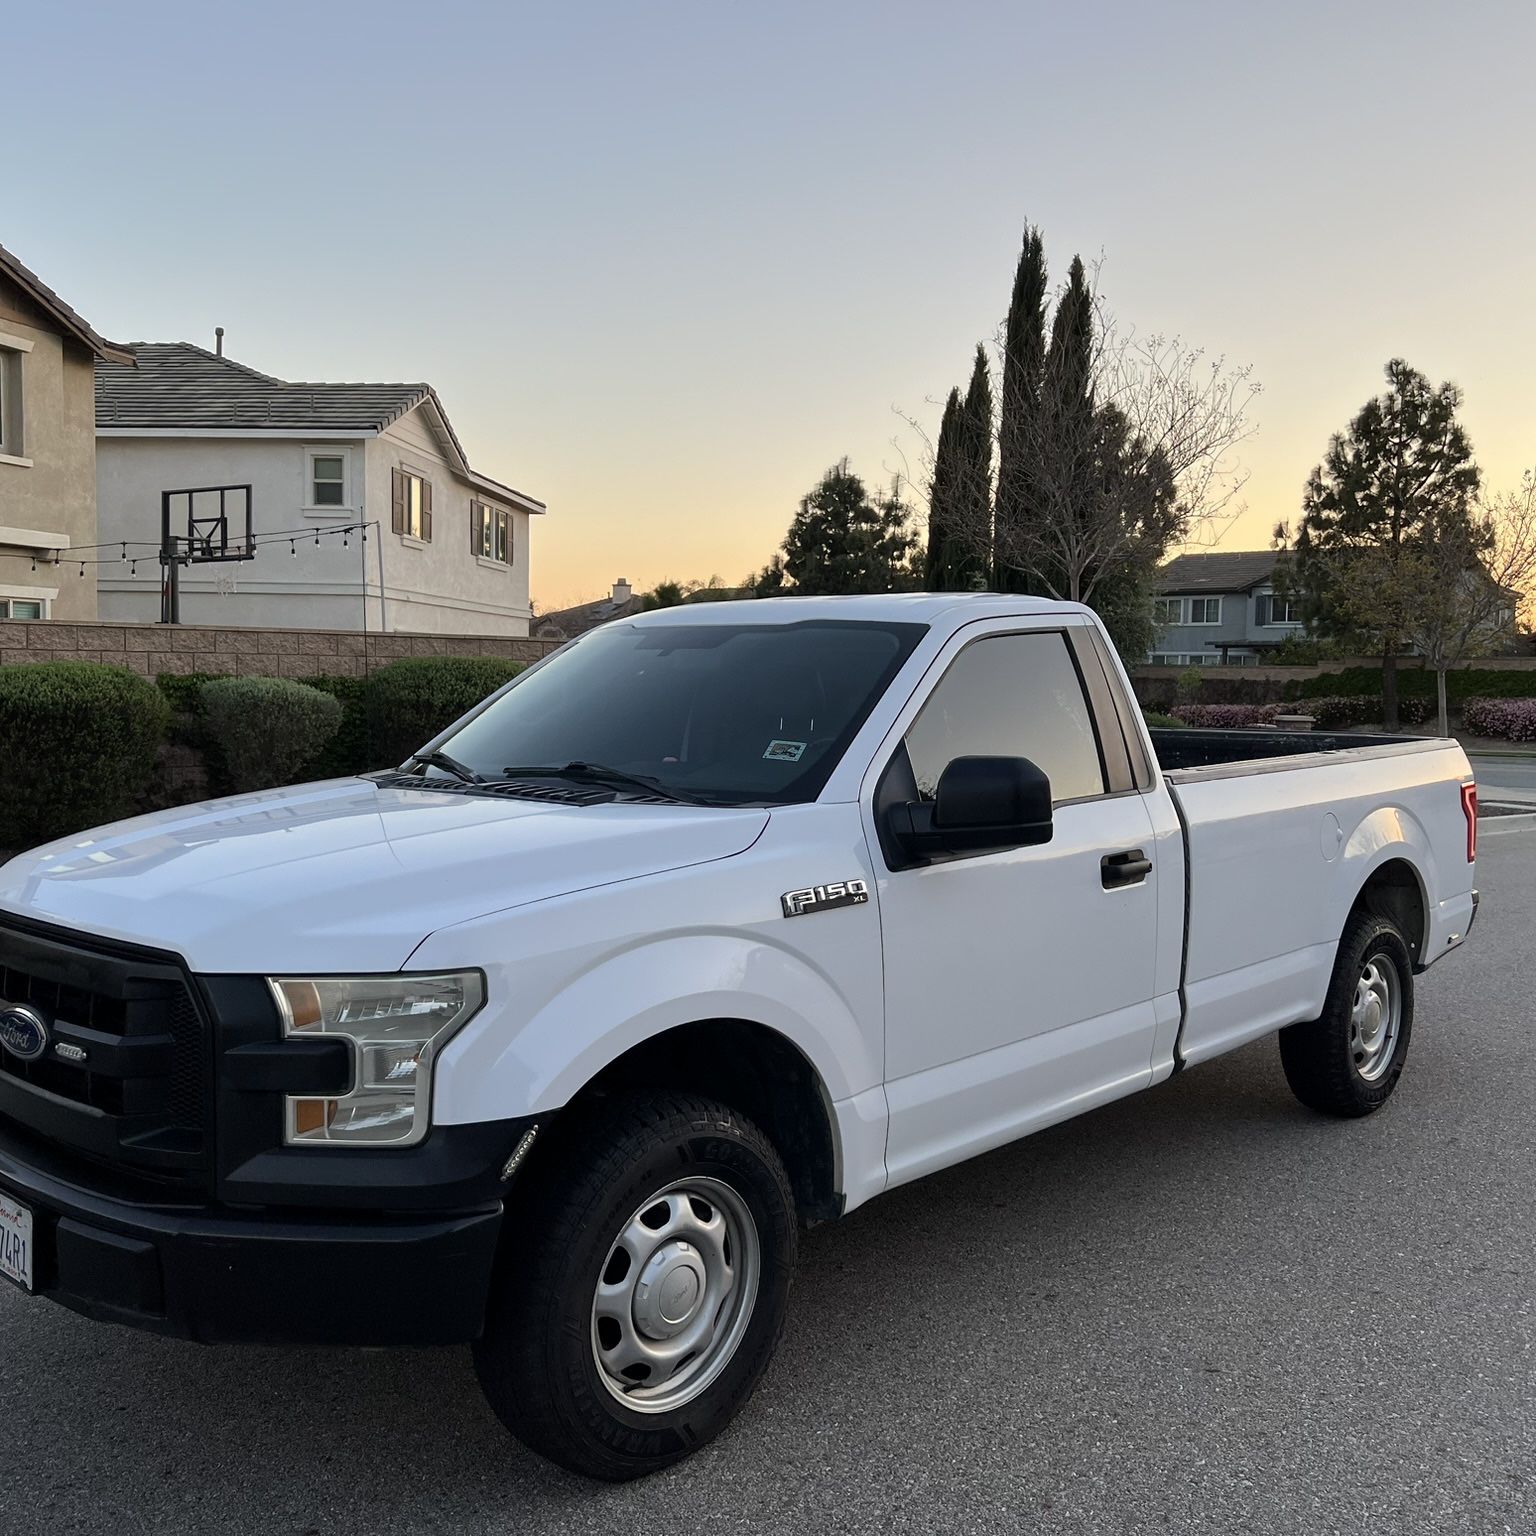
(346, 875)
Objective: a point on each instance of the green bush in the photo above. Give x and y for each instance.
(77, 746)
(266, 730)
(1158, 722)
(410, 701)
(347, 751)
(1419, 682)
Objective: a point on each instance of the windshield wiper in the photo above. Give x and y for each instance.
(597, 773)
(451, 765)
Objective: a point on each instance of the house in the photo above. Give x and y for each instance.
(567, 623)
(47, 448)
(1220, 609)
(356, 503)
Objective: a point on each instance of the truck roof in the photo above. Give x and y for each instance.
(886, 607)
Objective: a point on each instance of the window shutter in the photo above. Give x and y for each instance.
(397, 500)
(426, 511)
(476, 517)
(506, 523)
(1261, 607)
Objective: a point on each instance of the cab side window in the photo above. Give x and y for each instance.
(1010, 696)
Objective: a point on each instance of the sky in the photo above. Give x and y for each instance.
(666, 262)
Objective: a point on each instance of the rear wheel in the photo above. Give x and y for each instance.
(1347, 1061)
(642, 1286)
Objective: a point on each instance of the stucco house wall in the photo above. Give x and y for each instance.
(48, 486)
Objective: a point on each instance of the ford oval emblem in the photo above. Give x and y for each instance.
(23, 1031)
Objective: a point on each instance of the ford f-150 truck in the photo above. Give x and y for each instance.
(715, 923)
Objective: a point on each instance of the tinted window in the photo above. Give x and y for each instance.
(723, 712)
(1010, 696)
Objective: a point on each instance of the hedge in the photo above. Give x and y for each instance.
(410, 701)
(1225, 717)
(78, 742)
(1416, 681)
(1344, 712)
(267, 729)
(1512, 719)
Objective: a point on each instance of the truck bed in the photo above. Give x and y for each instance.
(1192, 754)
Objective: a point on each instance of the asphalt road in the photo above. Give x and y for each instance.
(1495, 772)
(1198, 1310)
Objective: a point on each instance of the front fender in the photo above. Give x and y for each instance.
(499, 1067)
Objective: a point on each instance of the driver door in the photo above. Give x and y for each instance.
(1019, 984)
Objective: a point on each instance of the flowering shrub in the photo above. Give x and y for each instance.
(1513, 719)
(1225, 717)
(1343, 712)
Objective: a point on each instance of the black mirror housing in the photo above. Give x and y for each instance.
(982, 805)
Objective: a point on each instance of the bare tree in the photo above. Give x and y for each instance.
(1471, 584)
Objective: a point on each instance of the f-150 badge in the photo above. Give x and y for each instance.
(823, 898)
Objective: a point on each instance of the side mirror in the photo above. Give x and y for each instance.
(982, 805)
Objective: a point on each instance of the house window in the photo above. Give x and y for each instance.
(22, 608)
(490, 532)
(1168, 610)
(327, 476)
(1284, 610)
(1205, 610)
(411, 505)
(10, 402)
(1175, 659)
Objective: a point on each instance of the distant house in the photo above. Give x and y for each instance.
(1220, 609)
(447, 547)
(47, 447)
(567, 623)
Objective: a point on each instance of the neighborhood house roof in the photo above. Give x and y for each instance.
(1217, 571)
(60, 312)
(178, 387)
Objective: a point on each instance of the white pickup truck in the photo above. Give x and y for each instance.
(717, 922)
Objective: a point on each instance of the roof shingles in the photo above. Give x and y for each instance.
(1217, 571)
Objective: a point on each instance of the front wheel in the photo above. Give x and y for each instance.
(1347, 1061)
(642, 1286)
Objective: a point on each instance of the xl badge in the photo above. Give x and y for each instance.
(23, 1031)
(822, 898)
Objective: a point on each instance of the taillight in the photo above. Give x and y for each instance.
(1469, 810)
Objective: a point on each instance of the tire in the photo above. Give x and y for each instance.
(1347, 1061)
(679, 1210)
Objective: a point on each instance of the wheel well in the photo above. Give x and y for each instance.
(755, 1070)
(1394, 891)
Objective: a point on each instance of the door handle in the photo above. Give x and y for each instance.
(1128, 868)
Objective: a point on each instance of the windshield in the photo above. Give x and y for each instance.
(722, 713)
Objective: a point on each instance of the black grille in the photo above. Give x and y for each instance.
(124, 1077)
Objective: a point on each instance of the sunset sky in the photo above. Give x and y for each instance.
(666, 262)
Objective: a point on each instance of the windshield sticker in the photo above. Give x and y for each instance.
(785, 751)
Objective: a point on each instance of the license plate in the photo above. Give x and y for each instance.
(16, 1242)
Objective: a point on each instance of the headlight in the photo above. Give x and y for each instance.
(396, 1025)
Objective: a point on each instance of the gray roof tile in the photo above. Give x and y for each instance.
(1217, 571)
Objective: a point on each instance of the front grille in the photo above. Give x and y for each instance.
(130, 1085)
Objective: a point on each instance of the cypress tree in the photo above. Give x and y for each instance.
(947, 470)
(974, 519)
(1023, 364)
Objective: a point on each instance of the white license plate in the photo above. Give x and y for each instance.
(16, 1242)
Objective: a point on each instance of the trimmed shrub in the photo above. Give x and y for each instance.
(77, 747)
(410, 701)
(267, 729)
(1159, 722)
(1344, 712)
(1225, 717)
(1511, 719)
(1414, 681)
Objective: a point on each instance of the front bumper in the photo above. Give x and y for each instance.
(223, 1275)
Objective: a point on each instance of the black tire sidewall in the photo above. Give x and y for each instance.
(1373, 937)
(591, 1431)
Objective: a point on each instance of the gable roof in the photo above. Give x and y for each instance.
(1217, 571)
(568, 623)
(177, 386)
(60, 312)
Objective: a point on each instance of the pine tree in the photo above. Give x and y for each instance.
(840, 541)
(1402, 475)
(1023, 364)
(947, 471)
(967, 568)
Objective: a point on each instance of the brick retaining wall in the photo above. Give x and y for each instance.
(179, 649)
